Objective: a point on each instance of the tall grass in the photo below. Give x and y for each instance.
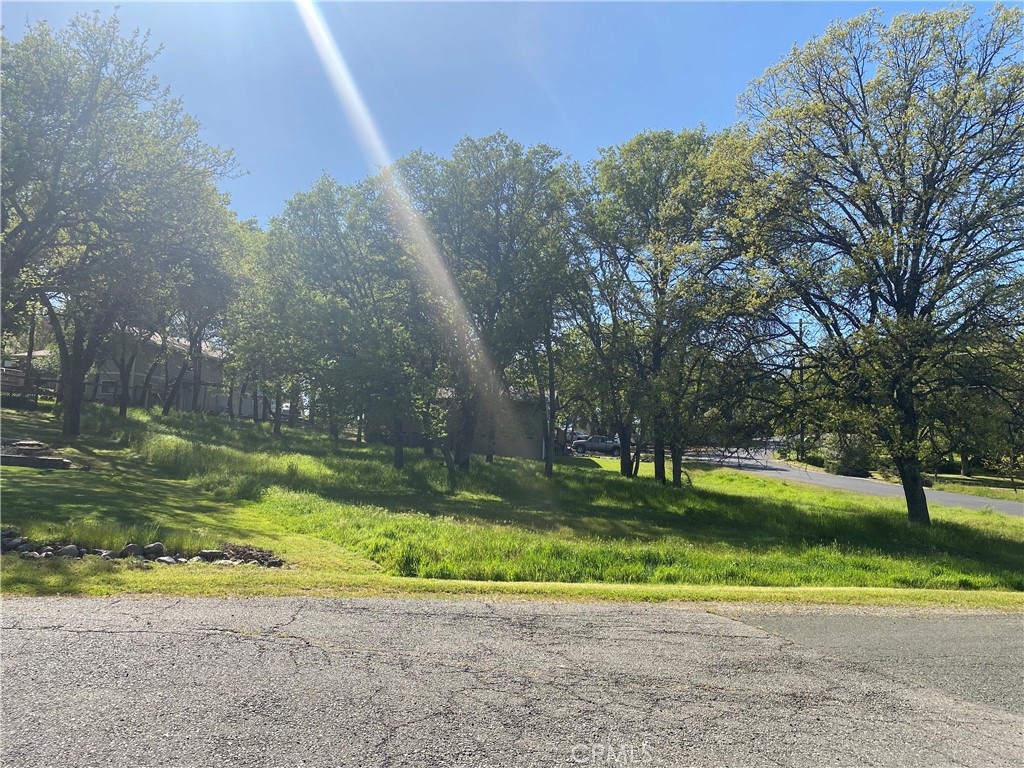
(409, 544)
(508, 522)
(111, 535)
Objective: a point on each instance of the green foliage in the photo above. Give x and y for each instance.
(203, 479)
(108, 191)
(850, 454)
(883, 211)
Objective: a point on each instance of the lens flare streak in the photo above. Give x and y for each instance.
(428, 257)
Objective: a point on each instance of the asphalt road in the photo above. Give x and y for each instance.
(783, 471)
(304, 682)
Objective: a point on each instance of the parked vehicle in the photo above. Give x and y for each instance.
(597, 444)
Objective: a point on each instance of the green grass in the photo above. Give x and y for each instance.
(983, 485)
(348, 523)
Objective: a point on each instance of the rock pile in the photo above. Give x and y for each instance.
(12, 542)
(248, 554)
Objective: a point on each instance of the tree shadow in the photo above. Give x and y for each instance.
(582, 499)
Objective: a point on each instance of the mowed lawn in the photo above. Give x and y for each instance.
(348, 523)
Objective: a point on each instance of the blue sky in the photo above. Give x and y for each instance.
(576, 76)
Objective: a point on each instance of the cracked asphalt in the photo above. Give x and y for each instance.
(373, 682)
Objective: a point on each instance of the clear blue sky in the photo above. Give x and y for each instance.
(576, 76)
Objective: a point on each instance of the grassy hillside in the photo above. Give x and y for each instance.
(347, 522)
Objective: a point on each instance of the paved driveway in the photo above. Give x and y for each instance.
(758, 464)
(302, 682)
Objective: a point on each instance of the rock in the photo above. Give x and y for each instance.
(130, 550)
(5, 542)
(26, 547)
(182, 559)
(156, 549)
(44, 550)
(195, 559)
(28, 554)
(31, 447)
(210, 554)
(69, 551)
(106, 554)
(141, 558)
(46, 555)
(16, 542)
(167, 560)
(9, 533)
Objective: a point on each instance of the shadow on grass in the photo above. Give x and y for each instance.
(598, 504)
(582, 499)
(48, 505)
(56, 576)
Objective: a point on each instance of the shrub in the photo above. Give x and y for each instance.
(850, 453)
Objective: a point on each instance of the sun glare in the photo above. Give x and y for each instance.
(425, 250)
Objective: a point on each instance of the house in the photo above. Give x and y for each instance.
(154, 369)
(518, 427)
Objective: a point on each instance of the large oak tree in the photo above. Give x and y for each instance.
(889, 215)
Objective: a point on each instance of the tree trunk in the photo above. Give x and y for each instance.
(147, 384)
(965, 464)
(74, 368)
(625, 459)
(31, 350)
(492, 429)
(399, 440)
(465, 434)
(908, 462)
(126, 385)
(231, 399)
(549, 436)
(659, 459)
(677, 465)
(197, 379)
(428, 433)
(334, 433)
(74, 394)
(295, 396)
(449, 463)
(266, 409)
(359, 429)
(278, 400)
(909, 468)
(256, 405)
(546, 391)
(657, 353)
(173, 394)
